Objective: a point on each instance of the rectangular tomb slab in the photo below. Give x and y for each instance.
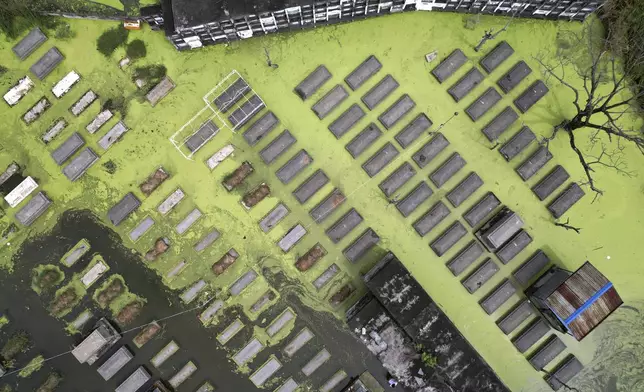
(413, 199)
(380, 159)
(517, 143)
(113, 135)
(397, 179)
(99, 121)
(450, 65)
(326, 276)
(231, 330)
(280, 322)
(191, 292)
(238, 176)
(188, 221)
(481, 210)
(83, 103)
(176, 270)
(164, 354)
(260, 128)
(466, 84)
(79, 164)
(207, 240)
(531, 335)
(464, 189)
(564, 372)
(531, 96)
(316, 362)
(516, 316)
(121, 210)
(67, 148)
(171, 201)
(499, 229)
(248, 352)
(246, 112)
(514, 76)
(516, 244)
(363, 140)
(37, 206)
(135, 381)
(465, 257)
(326, 207)
(483, 104)
(141, 228)
(231, 95)
(303, 337)
(548, 184)
(346, 121)
(363, 72)
(331, 100)
(255, 196)
(448, 238)
(430, 150)
(534, 163)
(29, 43)
(436, 214)
(277, 147)
(292, 237)
(47, 63)
(413, 130)
(447, 170)
(36, 111)
(496, 57)
(310, 186)
(310, 258)
(57, 127)
(498, 297)
(244, 281)
(273, 218)
(114, 363)
(566, 200)
(211, 311)
(294, 166)
(480, 275)
(268, 369)
(500, 124)
(361, 246)
(313, 82)
(182, 375)
(18, 91)
(547, 352)
(289, 386)
(220, 156)
(207, 131)
(380, 92)
(344, 226)
(397, 111)
(333, 381)
(160, 91)
(529, 270)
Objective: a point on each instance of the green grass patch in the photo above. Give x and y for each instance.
(110, 3)
(33, 366)
(45, 277)
(4, 320)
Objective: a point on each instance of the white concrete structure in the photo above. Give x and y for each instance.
(65, 84)
(19, 193)
(17, 92)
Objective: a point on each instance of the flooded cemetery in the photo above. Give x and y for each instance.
(355, 207)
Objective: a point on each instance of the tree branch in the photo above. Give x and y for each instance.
(587, 169)
(566, 225)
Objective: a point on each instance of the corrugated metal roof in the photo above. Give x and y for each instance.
(584, 300)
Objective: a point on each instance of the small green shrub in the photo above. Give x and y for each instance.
(111, 39)
(64, 31)
(136, 49)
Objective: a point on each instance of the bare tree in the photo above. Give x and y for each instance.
(490, 35)
(602, 103)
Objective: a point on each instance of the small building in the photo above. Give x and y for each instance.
(96, 343)
(574, 302)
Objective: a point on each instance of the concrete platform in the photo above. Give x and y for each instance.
(436, 214)
(182, 375)
(496, 57)
(273, 218)
(160, 91)
(326, 276)
(56, 128)
(207, 131)
(531, 96)
(380, 92)
(447, 169)
(397, 179)
(303, 337)
(316, 362)
(193, 291)
(363, 244)
(480, 275)
(363, 140)
(29, 43)
(397, 111)
(277, 147)
(531, 335)
(47, 63)
(142, 228)
(171, 201)
(466, 84)
(343, 226)
(566, 199)
(246, 112)
(280, 322)
(430, 150)
(67, 148)
(450, 65)
(333, 381)
(37, 110)
(326, 207)
(497, 297)
(121, 210)
(292, 237)
(531, 268)
(164, 354)
(413, 130)
(188, 221)
(207, 240)
(483, 103)
(500, 124)
(517, 143)
(99, 121)
(514, 246)
(231, 95)
(414, 199)
(113, 135)
(346, 121)
(244, 281)
(311, 186)
(564, 372)
(231, 330)
(300, 161)
(265, 372)
(534, 163)
(80, 164)
(516, 316)
(312, 83)
(514, 76)
(83, 103)
(288, 386)
(115, 363)
(380, 159)
(547, 353)
(481, 210)
(260, 128)
(464, 189)
(248, 352)
(548, 184)
(331, 100)
(38, 205)
(363, 72)
(448, 238)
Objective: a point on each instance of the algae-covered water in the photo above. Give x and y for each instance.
(611, 226)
